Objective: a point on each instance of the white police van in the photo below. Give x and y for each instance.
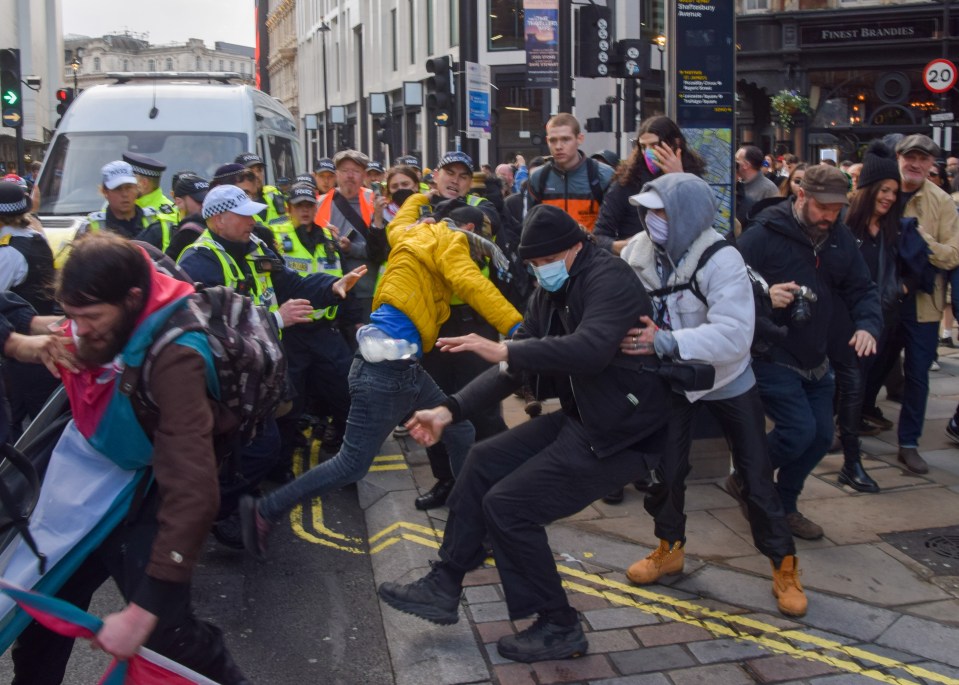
(189, 121)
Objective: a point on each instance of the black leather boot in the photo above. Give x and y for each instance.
(436, 495)
(855, 476)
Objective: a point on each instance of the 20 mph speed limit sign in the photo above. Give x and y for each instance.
(939, 75)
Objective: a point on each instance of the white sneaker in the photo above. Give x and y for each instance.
(935, 366)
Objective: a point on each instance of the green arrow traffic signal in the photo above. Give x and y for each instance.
(10, 97)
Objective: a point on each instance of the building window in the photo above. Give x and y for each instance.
(198, 64)
(231, 65)
(454, 23)
(221, 65)
(151, 65)
(393, 35)
(756, 5)
(505, 25)
(96, 64)
(126, 65)
(242, 67)
(169, 64)
(429, 28)
(412, 32)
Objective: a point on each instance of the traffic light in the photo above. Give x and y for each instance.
(632, 58)
(603, 122)
(632, 104)
(64, 100)
(11, 96)
(439, 89)
(384, 130)
(594, 41)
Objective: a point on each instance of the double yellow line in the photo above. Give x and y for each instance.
(790, 642)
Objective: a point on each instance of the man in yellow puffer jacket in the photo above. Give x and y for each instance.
(428, 261)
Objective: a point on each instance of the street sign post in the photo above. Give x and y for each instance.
(939, 76)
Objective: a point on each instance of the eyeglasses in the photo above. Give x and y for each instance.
(246, 176)
(933, 174)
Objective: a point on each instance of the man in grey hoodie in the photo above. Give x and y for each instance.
(704, 311)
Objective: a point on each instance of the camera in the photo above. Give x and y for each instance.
(800, 311)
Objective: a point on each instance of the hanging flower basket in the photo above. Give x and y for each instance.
(787, 104)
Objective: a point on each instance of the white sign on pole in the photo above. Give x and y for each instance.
(478, 123)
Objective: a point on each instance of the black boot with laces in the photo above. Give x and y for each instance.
(435, 597)
(553, 635)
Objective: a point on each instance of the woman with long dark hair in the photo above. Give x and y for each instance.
(873, 218)
(660, 149)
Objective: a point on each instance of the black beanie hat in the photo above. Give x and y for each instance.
(548, 230)
(878, 164)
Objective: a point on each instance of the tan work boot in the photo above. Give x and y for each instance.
(787, 588)
(665, 560)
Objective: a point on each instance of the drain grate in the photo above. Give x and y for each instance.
(935, 548)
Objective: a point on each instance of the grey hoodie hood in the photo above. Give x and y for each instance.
(690, 205)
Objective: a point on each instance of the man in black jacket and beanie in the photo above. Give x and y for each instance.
(609, 431)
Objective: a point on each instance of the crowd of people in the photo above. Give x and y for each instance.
(414, 300)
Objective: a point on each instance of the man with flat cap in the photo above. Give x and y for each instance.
(812, 264)
(609, 431)
(148, 172)
(122, 215)
(937, 223)
(355, 215)
(268, 195)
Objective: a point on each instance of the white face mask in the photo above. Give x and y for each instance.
(657, 227)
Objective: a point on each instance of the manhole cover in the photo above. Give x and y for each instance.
(935, 548)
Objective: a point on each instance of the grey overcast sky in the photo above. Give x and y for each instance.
(171, 21)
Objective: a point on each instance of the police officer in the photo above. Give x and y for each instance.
(189, 191)
(148, 172)
(26, 270)
(324, 174)
(414, 164)
(318, 356)
(122, 215)
(374, 176)
(269, 195)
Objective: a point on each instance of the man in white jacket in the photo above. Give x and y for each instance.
(703, 301)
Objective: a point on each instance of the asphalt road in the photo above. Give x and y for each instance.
(308, 615)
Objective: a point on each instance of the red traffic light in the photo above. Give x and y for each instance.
(63, 94)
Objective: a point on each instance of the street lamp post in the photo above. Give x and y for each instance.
(75, 65)
(324, 29)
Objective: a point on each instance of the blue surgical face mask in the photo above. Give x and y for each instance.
(551, 276)
(657, 227)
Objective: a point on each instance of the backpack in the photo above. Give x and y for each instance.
(766, 333)
(240, 342)
(245, 353)
(592, 174)
(693, 284)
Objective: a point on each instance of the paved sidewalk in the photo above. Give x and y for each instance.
(876, 614)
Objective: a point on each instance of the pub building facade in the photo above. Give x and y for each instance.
(861, 68)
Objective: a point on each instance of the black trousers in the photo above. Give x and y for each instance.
(452, 372)
(744, 424)
(319, 364)
(511, 487)
(40, 656)
(850, 388)
(29, 386)
(881, 365)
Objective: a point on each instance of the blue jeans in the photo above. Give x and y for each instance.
(802, 411)
(382, 395)
(920, 343)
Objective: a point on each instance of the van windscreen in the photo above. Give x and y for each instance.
(70, 181)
